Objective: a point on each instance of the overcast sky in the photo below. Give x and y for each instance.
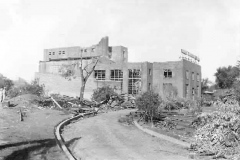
(153, 30)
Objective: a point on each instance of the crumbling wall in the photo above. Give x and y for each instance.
(77, 52)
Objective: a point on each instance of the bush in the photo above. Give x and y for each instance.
(149, 102)
(33, 88)
(218, 133)
(102, 93)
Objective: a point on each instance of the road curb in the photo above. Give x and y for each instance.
(158, 135)
(58, 137)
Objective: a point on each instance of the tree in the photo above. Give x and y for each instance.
(149, 103)
(205, 84)
(8, 84)
(5, 82)
(68, 71)
(225, 76)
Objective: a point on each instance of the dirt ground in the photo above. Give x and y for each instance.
(33, 138)
(103, 137)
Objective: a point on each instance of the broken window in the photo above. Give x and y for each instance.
(85, 50)
(134, 81)
(167, 73)
(100, 74)
(93, 49)
(116, 75)
(134, 73)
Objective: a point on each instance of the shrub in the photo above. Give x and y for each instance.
(102, 93)
(13, 92)
(33, 88)
(218, 133)
(149, 102)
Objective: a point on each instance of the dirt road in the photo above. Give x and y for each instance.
(103, 137)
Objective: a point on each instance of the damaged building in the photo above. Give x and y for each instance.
(115, 71)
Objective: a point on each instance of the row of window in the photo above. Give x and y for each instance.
(135, 73)
(116, 75)
(85, 50)
(60, 52)
(193, 76)
(63, 52)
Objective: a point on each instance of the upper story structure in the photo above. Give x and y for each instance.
(115, 70)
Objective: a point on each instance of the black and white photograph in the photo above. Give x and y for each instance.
(119, 79)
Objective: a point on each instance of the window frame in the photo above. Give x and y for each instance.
(168, 75)
(187, 90)
(134, 77)
(100, 75)
(193, 76)
(187, 74)
(116, 75)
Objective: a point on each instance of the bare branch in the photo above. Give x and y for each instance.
(94, 66)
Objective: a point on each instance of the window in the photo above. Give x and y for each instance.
(93, 49)
(193, 93)
(49, 53)
(134, 81)
(116, 75)
(149, 86)
(124, 54)
(150, 72)
(63, 52)
(197, 91)
(193, 76)
(187, 75)
(198, 77)
(85, 50)
(167, 73)
(53, 53)
(99, 74)
(186, 90)
(59, 52)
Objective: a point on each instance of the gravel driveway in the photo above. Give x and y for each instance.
(103, 137)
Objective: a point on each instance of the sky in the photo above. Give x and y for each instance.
(152, 30)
